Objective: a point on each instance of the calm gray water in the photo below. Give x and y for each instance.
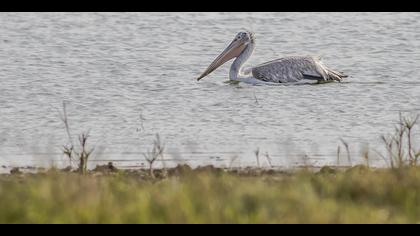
(127, 76)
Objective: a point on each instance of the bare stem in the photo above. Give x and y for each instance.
(268, 158)
(338, 155)
(152, 156)
(68, 150)
(257, 156)
(346, 145)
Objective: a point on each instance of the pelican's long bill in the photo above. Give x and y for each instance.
(233, 50)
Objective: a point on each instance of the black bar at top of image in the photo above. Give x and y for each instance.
(210, 5)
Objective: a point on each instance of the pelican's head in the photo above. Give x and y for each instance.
(235, 48)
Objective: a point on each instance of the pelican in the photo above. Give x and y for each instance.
(283, 70)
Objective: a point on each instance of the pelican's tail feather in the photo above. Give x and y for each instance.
(334, 75)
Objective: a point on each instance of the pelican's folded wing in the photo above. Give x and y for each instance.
(289, 69)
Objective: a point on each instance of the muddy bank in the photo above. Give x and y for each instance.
(179, 170)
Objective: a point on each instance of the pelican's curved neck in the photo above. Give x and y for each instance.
(236, 69)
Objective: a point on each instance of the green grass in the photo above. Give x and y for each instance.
(358, 195)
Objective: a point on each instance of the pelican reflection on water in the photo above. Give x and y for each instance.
(282, 70)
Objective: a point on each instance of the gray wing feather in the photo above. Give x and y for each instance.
(293, 69)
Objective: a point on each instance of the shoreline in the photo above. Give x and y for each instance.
(182, 169)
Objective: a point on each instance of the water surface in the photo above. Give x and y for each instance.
(128, 76)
